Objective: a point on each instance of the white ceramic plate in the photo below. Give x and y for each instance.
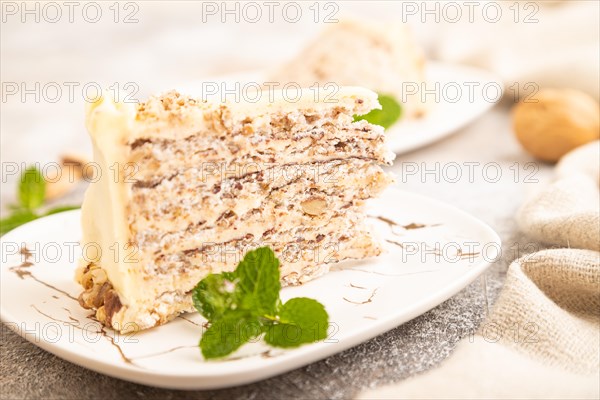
(432, 252)
(455, 96)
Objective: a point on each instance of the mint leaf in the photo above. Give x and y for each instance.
(258, 275)
(301, 320)
(32, 189)
(390, 112)
(216, 294)
(31, 192)
(19, 218)
(227, 334)
(244, 304)
(60, 209)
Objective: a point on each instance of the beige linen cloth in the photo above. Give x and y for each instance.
(542, 339)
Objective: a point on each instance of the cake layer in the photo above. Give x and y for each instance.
(176, 116)
(214, 257)
(304, 255)
(199, 202)
(234, 154)
(292, 227)
(258, 224)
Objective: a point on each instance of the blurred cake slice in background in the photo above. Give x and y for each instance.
(188, 186)
(380, 56)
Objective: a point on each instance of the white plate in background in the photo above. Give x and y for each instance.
(462, 94)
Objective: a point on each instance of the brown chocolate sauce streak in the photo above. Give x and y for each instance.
(352, 285)
(408, 227)
(466, 255)
(395, 243)
(70, 315)
(111, 340)
(56, 319)
(22, 272)
(52, 287)
(370, 299)
(102, 331)
(204, 325)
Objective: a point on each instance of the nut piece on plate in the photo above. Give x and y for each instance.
(72, 171)
(558, 122)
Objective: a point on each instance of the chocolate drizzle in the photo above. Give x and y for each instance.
(408, 227)
(369, 300)
(22, 270)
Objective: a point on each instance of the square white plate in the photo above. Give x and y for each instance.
(432, 251)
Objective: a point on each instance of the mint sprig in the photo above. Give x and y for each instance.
(32, 188)
(244, 304)
(391, 111)
(31, 192)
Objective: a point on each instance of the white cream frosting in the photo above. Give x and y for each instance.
(103, 213)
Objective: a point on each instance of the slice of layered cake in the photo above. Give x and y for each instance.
(188, 187)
